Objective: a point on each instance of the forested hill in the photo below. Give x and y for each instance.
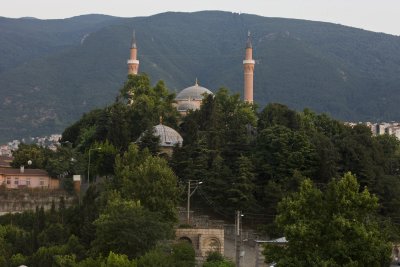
(53, 71)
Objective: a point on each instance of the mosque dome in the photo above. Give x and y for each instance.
(186, 105)
(168, 136)
(194, 92)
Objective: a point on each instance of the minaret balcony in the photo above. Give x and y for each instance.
(132, 61)
(249, 61)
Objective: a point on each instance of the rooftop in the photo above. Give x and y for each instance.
(30, 172)
(195, 92)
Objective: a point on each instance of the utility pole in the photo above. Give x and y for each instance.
(188, 204)
(238, 237)
(191, 183)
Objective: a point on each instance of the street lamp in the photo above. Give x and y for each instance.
(88, 170)
(191, 184)
(238, 238)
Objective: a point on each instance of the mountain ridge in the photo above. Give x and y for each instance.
(350, 73)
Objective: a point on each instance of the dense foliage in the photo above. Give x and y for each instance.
(138, 108)
(334, 227)
(251, 169)
(215, 259)
(247, 160)
(53, 71)
(115, 216)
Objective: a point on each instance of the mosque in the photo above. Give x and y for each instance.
(191, 97)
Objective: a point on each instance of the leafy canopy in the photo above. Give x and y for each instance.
(335, 227)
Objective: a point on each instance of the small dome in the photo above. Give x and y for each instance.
(168, 136)
(194, 92)
(186, 105)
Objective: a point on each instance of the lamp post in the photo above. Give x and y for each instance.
(238, 238)
(88, 170)
(195, 184)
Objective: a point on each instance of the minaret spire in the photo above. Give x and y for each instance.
(133, 62)
(133, 43)
(248, 65)
(248, 43)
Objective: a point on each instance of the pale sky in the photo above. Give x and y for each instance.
(374, 15)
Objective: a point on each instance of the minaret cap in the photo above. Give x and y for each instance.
(248, 43)
(133, 44)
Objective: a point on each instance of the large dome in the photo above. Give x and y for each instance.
(194, 92)
(168, 136)
(186, 105)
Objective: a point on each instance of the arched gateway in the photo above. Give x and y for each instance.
(203, 241)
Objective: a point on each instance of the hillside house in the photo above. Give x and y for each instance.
(27, 178)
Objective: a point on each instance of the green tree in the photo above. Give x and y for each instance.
(14, 240)
(90, 262)
(118, 260)
(327, 158)
(37, 155)
(5, 249)
(126, 227)
(155, 258)
(282, 157)
(73, 133)
(183, 255)
(90, 211)
(217, 139)
(65, 261)
(337, 227)
(54, 234)
(148, 179)
(137, 109)
(215, 259)
(102, 158)
(278, 114)
(150, 141)
(18, 260)
(118, 127)
(74, 247)
(61, 163)
(147, 104)
(280, 151)
(180, 254)
(240, 193)
(46, 256)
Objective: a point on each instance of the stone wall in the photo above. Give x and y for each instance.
(203, 240)
(19, 200)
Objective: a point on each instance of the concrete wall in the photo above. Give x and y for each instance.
(251, 251)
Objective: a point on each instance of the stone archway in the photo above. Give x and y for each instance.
(211, 244)
(203, 240)
(185, 239)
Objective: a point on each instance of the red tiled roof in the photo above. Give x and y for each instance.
(9, 171)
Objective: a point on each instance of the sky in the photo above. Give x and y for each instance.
(373, 15)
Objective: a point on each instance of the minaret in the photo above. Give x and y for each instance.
(248, 65)
(133, 62)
